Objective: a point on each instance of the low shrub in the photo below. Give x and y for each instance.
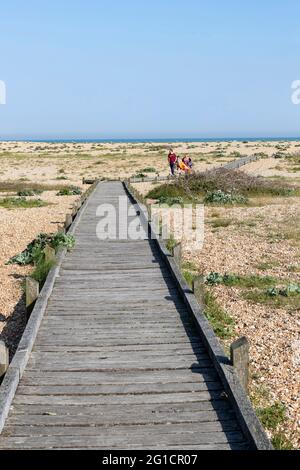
(219, 197)
(21, 202)
(34, 250)
(222, 185)
(69, 191)
(29, 192)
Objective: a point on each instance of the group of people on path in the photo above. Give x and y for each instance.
(183, 165)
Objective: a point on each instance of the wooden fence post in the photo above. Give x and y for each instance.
(165, 232)
(68, 221)
(177, 251)
(4, 358)
(239, 355)
(32, 292)
(197, 287)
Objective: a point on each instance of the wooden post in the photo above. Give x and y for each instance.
(4, 358)
(68, 221)
(32, 292)
(49, 254)
(197, 287)
(165, 233)
(177, 253)
(239, 355)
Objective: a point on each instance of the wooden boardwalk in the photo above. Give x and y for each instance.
(117, 362)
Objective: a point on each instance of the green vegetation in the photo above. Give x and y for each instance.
(139, 175)
(220, 222)
(61, 177)
(149, 169)
(188, 276)
(221, 322)
(165, 192)
(21, 202)
(290, 290)
(277, 298)
(34, 249)
(170, 201)
(34, 253)
(41, 270)
(219, 197)
(272, 417)
(265, 265)
(221, 186)
(171, 243)
(69, 191)
(189, 265)
(260, 289)
(249, 281)
(29, 192)
(23, 185)
(280, 442)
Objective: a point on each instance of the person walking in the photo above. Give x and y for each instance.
(172, 161)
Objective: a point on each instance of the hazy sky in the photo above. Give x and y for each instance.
(159, 68)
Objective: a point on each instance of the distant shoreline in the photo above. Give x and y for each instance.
(157, 140)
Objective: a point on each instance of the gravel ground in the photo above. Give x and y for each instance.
(18, 228)
(274, 334)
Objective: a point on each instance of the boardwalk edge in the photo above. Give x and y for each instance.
(243, 408)
(17, 366)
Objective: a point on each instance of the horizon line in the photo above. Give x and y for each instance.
(144, 139)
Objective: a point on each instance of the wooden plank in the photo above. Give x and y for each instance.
(120, 377)
(133, 388)
(117, 399)
(118, 411)
(113, 419)
(120, 433)
(105, 441)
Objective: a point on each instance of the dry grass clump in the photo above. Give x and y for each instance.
(227, 181)
(21, 185)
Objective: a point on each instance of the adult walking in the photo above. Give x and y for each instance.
(172, 161)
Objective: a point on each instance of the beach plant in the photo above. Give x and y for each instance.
(288, 291)
(247, 281)
(221, 322)
(148, 169)
(21, 202)
(34, 250)
(29, 192)
(272, 416)
(171, 200)
(41, 270)
(70, 191)
(213, 279)
(220, 197)
(230, 182)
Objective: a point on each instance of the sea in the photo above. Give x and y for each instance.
(153, 140)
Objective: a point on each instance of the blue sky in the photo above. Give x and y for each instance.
(165, 68)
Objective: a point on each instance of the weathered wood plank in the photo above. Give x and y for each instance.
(128, 418)
(117, 399)
(120, 377)
(118, 389)
(114, 440)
